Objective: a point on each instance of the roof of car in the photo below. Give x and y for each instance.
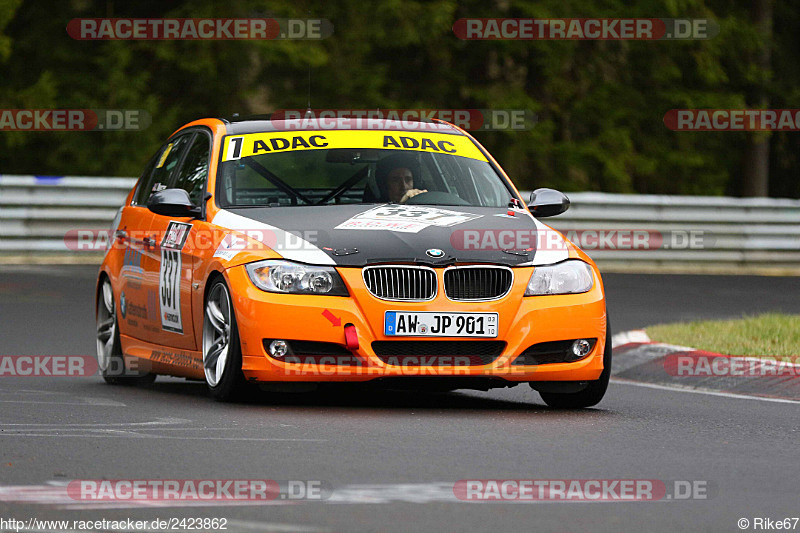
(262, 123)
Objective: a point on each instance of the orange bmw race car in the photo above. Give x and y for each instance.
(277, 253)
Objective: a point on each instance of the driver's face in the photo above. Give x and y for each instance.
(398, 182)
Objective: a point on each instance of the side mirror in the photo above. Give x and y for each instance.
(173, 203)
(548, 203)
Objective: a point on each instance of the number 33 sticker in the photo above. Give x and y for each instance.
(169, 279)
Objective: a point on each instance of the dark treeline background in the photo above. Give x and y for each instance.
(600, 103)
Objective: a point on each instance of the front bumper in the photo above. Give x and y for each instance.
(524, 321)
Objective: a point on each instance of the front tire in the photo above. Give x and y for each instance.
(593, 393)
(222, 351)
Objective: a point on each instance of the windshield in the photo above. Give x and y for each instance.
(347, 167)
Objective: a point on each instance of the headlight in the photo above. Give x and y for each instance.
(569, 277)
(294, 278)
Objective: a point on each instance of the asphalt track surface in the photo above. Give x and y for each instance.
(393, 457)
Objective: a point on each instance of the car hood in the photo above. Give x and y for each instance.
(362, 234)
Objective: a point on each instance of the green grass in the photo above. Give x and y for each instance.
(771, 334)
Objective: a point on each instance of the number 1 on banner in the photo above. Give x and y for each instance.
(234, 148)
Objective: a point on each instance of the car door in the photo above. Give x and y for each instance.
(166, 327)
(177, 246)
(137, 305)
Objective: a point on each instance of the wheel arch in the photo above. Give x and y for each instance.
(101, 276)
(213, 276)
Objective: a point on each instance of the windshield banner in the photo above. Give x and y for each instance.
(239, 146)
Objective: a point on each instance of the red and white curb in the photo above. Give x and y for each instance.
(637, 336)
(57, 494)
(637, 358)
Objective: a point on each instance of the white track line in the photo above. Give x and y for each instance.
(106, 434)
(156, 422)
(706, 392)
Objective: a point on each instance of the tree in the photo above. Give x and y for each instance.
(756, 156)
(600, 104)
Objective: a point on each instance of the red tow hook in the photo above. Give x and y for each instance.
(350, 337)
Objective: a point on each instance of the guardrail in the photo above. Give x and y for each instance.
(698, 232)
(677, 232)
(36, 212)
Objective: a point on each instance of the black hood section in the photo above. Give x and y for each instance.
(361, 247)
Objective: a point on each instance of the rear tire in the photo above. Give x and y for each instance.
(222, 350)
(109, 347)
(593, 393)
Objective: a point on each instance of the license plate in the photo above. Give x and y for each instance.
(428, 324)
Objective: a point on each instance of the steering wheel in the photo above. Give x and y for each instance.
(436, 198)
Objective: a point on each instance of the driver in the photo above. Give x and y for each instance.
(395, 177)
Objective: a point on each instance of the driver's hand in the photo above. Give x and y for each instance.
(410, 194)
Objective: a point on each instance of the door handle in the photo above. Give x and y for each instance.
(121, 234)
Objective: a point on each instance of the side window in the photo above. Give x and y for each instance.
(140, 198)
(194, 170)
(162, 167)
